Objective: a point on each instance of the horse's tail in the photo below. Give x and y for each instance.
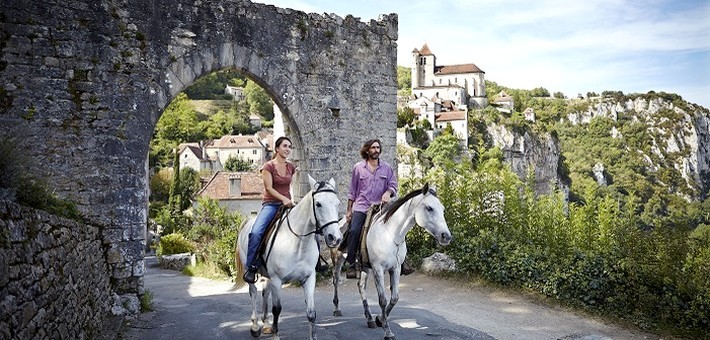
(238, 265)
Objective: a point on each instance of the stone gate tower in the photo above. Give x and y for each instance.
(84, 83)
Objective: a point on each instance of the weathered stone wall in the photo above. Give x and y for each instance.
(54, 281)
(84, 83)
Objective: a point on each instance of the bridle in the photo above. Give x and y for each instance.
(319, 228)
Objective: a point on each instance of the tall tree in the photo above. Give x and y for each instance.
(259, 101)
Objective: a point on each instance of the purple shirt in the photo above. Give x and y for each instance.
(367, 187)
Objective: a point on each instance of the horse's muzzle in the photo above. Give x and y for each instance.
(331, 241)
(445, 239)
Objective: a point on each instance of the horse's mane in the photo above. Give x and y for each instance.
(391, 208)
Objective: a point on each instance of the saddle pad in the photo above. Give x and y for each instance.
(364, 257)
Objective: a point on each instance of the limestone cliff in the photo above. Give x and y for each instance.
(527, 152)
(679, 134)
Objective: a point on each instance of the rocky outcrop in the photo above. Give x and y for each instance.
(529, 152)
(680, 134)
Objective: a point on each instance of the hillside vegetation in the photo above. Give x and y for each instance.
(633, 244)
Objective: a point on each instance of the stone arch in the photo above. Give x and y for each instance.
(85, 84)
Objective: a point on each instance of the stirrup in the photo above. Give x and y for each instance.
(249, 276)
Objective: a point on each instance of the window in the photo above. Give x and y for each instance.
(253, 152)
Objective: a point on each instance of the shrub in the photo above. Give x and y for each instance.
(174, 243)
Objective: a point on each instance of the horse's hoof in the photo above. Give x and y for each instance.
(371, 324)
(378, 321)
(255, 333)
(268, 330)
(390, 338)
(337, 313)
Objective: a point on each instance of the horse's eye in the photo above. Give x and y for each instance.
(318, 204)
(430, 209)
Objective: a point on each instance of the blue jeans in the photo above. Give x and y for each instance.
(356, 223)
(263, 218)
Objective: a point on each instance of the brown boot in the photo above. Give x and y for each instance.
(354, 271)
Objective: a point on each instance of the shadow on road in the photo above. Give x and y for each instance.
(197, 308)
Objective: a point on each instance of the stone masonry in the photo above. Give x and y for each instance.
(53, 276)
(84, 83)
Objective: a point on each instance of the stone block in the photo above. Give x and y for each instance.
(176, 261)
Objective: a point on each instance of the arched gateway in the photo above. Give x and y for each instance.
(84, 83)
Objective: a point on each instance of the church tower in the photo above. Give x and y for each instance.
(423, 68)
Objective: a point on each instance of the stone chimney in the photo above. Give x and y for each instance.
(235, 185)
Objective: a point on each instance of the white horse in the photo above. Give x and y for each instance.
(386, 249)
(291, 256)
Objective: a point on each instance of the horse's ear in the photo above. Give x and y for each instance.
(425, 189)
(312, 181)
(331, 181)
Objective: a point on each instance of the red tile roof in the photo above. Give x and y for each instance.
(451, 116)
(239, 141)
(217, 188)
(457, 69)
(425, 50)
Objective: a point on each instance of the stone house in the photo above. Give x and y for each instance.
(212, 155)
(458, 121)
(504, 102)
(237, 93)
(462, 84)
(235, 191)
(193, 155)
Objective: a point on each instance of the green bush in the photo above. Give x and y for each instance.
(174, 243)
(596, 253)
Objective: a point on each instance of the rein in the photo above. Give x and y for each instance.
(319, 227)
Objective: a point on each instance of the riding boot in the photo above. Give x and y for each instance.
(353, 271)
(250, 275)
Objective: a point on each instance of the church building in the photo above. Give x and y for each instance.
(462, 84)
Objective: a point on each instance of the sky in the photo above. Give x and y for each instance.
(573, 47)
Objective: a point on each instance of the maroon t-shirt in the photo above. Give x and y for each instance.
(282, 184)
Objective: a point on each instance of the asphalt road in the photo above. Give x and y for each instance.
(429, 308)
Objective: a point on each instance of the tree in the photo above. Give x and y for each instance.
(258, 100)
(444, 148)
(539, 92)
(404, 80)
(178, 122)
(559, 95)
(405, 116)
(237, 164)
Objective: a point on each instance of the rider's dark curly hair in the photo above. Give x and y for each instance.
(364, 150)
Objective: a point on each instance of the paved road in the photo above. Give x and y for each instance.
(429, 308)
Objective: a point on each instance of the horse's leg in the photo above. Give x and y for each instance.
(379, 277)
(309, 287)
(265, 294)
(275, 305)
(394, 289)
(362, 288)
(337, 259)
(255, 328)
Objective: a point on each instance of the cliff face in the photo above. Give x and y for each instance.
(679, 133)
(526, 152)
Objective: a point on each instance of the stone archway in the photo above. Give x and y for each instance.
(84, 83)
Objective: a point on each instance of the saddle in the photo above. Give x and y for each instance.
(363, 257)
(270, 234)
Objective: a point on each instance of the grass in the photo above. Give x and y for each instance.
(146, 301)
(207, 270)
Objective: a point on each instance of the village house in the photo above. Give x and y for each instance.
(237, 93)
(234, 191)
(212, 155)
(503, 102)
